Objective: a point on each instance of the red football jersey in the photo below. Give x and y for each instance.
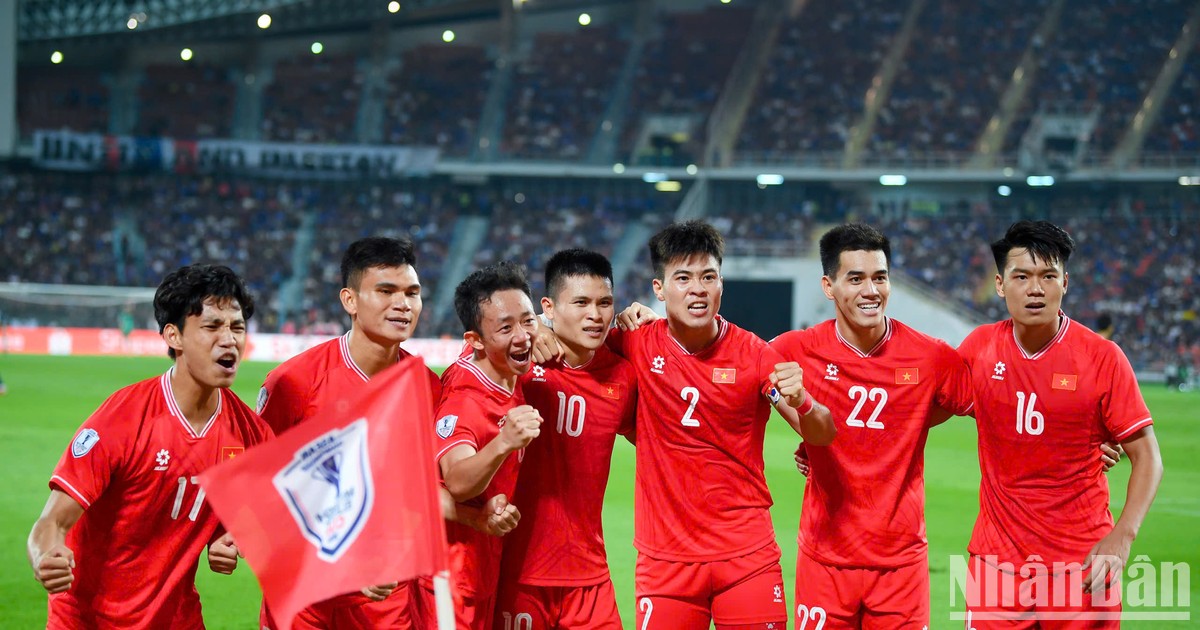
(1041, 418)
(700, 493)
(864, 502)
(299, 387)
(133, 468)
(560, 492)
(470, 413)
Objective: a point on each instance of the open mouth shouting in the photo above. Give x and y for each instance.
(227, 362)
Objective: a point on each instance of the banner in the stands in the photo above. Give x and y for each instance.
(68, 150)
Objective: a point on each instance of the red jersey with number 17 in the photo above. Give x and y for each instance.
(133, 466)
(864, 502)
(470, 413)
(1042, 417)
(700, 492)
(560, 492)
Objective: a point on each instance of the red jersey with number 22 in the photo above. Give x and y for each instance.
(1041, 418)
(700, 493)
(133, 467)
(864, 503)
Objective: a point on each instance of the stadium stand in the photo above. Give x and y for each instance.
(437, 98)
(185, 101)
(1177, 129)
(313, 98)
(61, 98)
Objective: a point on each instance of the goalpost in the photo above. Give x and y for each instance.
(82, 306)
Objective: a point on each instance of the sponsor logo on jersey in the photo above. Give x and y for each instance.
(658, 364)
(724, 375)
(908, 376)
(445, 425)
(539, 374)
(262, 400)
(162, 458)
(1065, 381)
(998, 371)
(84, 442)
(329, 490)
(831, 372)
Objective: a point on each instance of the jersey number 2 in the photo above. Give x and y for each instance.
(692, 396)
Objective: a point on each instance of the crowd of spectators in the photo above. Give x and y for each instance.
(58, 97)
(187, 101)
(949, 83)
(560, 91)
(313, 98)
(1079, 72)
(683, 70)
(815, 83)
(437, 98)
(1178, 128)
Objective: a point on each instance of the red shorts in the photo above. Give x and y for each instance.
(355, 611)
(1000, 597)
(527, 607)
(472, 611)
(833, 598)
(746, 591)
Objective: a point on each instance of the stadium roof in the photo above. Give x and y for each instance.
(45, 20)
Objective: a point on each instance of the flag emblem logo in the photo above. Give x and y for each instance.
(329, 490)
(1064, 381)
(724, 375)
(611, 390)
(908, 376)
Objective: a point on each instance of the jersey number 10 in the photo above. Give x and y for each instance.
(570, 414)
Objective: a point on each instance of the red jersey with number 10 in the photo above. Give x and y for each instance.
(560, 492)
(700, 493)
(1042, 417)
(133, 467)
(864, 502)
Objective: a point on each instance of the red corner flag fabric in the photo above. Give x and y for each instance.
(343, 501)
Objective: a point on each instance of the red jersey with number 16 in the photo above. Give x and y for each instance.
(560, 492)
(864, 503)
(133, 467)
(1042, 417)
(700, 493)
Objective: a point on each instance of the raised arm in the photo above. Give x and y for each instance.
(468, 472)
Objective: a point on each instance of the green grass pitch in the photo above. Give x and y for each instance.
(50, 396)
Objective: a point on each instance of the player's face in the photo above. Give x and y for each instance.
(506, 326)
(582, 311)
(691, 289)
(861, 289)
(1032, 289)
(211, 344)
(386, 304)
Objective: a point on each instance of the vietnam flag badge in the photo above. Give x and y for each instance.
(230, 452)
(611, 390)
(724, 375)
(908, 376)
(1064, 381)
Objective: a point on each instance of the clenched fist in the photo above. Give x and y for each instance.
(788, 379)
(521, 425)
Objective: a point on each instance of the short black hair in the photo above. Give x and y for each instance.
(851, 237)
(183, 292)
(375, 251)
(479, 287)
(575, 262)
(1046, 241)
(684, 240)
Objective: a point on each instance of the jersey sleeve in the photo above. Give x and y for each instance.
(768, 358)
(954, 389)
(618, 341)
(1122, 407)
(458, 422)
(92, 458)
(282, 401)
(628, 425)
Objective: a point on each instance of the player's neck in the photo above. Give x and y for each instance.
(502, 378)
(371, 357)
(575, 356)
(694, 339)
(1034, 338)
(196, 402)
(865, 339)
